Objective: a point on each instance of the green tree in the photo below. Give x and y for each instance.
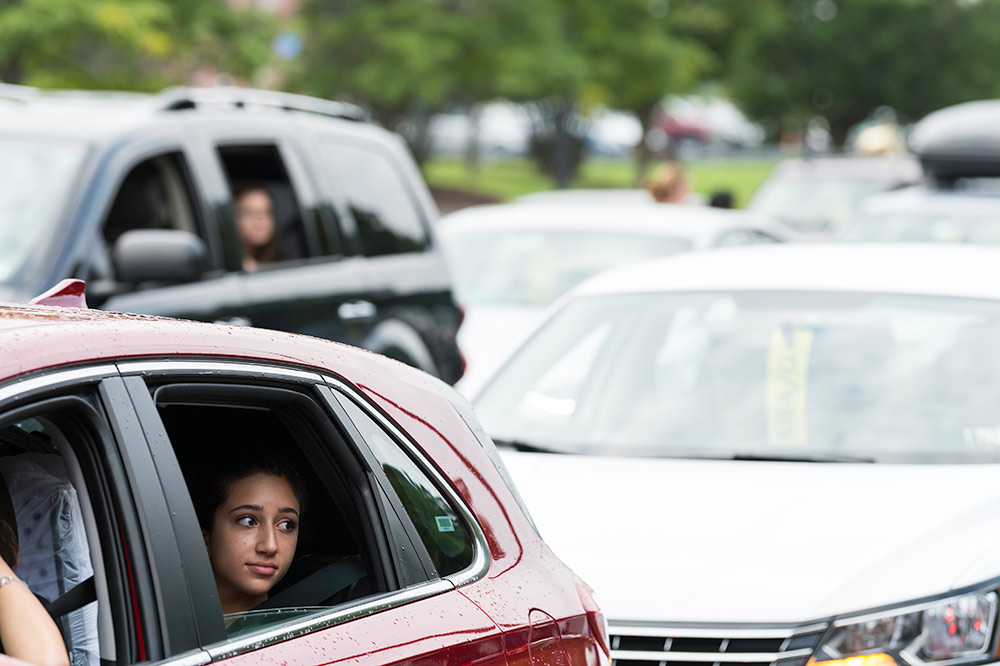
(638, 51)
(127, 44)
(842, 59)
(405, 60)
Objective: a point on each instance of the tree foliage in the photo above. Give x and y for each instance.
(127, 44)
(842, 59)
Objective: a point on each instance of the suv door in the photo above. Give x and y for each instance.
(314, 287)
(409, 611)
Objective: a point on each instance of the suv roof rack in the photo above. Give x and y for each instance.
(960, 141)
(232, 97)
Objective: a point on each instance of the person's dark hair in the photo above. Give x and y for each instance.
(270, 252)
(721, 199)
(211, 485)
(8, 544)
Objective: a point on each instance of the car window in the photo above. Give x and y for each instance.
(713, 374)
(36, 177)
(56, 522)
(269, 216)
(534, 267)
(155, 194)
(441, 530)
(384, 210)
(339, 554)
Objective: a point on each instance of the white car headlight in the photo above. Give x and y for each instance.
(953, 629)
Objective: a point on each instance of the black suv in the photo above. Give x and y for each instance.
(134, 194)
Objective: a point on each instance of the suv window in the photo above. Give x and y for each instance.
(442, 531)
(385, 212)
(260, 168)
(154, 195)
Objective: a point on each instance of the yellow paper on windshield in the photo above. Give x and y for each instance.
(786, 390)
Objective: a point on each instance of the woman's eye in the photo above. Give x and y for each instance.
(246, 521)
(287, 525)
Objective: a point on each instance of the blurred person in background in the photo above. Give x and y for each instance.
(254, 210)
(667, 183)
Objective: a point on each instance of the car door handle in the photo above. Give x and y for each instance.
(356, 310)
(233, 321)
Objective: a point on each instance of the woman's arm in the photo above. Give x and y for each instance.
(26, 630)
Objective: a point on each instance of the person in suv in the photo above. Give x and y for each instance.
(135, 194)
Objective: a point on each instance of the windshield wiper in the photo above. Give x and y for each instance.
(802, 457)
(526, 447)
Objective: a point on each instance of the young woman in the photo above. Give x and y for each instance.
(255, 222)
(249, 513)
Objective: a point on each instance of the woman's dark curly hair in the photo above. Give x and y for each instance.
(214, 479)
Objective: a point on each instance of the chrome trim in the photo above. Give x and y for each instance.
(710, 657)
(300, 627)
(19, 388)
(193, 658)
(266, 369)
(721, 632)
(480, 560)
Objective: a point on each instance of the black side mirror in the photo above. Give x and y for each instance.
(158, 255)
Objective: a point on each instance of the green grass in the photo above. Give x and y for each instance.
(511, 178)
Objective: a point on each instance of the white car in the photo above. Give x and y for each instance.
(509, 261)
(773, 455)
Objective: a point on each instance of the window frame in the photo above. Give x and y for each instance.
(320, 381)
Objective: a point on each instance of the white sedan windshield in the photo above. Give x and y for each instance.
(524, 267)
(788, 375)
(35, 179)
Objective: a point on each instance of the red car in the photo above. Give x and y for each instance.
(412, 547)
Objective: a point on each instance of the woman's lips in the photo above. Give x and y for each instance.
(262, 569)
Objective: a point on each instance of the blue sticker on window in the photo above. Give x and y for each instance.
(445, 523)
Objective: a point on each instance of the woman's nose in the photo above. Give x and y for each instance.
(267, 541)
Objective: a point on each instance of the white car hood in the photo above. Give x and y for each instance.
(488, 335)
(740, 541)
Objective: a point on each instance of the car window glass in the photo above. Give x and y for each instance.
(36, 178)
(386, 214)
(154, 195)
(268, 214)
(442, 531)
(329, 562)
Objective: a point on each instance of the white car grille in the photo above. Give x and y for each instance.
(731, 645)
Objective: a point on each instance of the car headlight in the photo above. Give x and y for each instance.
(953, 629)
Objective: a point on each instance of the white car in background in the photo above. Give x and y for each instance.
(771, 456)
(509, 261)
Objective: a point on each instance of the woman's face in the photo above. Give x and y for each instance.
(253, 539)
(255, 218)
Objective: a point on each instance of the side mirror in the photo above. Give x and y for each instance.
(158, 255)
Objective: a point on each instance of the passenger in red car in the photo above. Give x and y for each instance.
(250, 517)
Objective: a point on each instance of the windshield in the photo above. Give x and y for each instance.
(525, 267)
(785, 375)
(924, 228)
(814, 204)
(35, 179)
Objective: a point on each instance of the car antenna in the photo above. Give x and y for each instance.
(69, 293)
